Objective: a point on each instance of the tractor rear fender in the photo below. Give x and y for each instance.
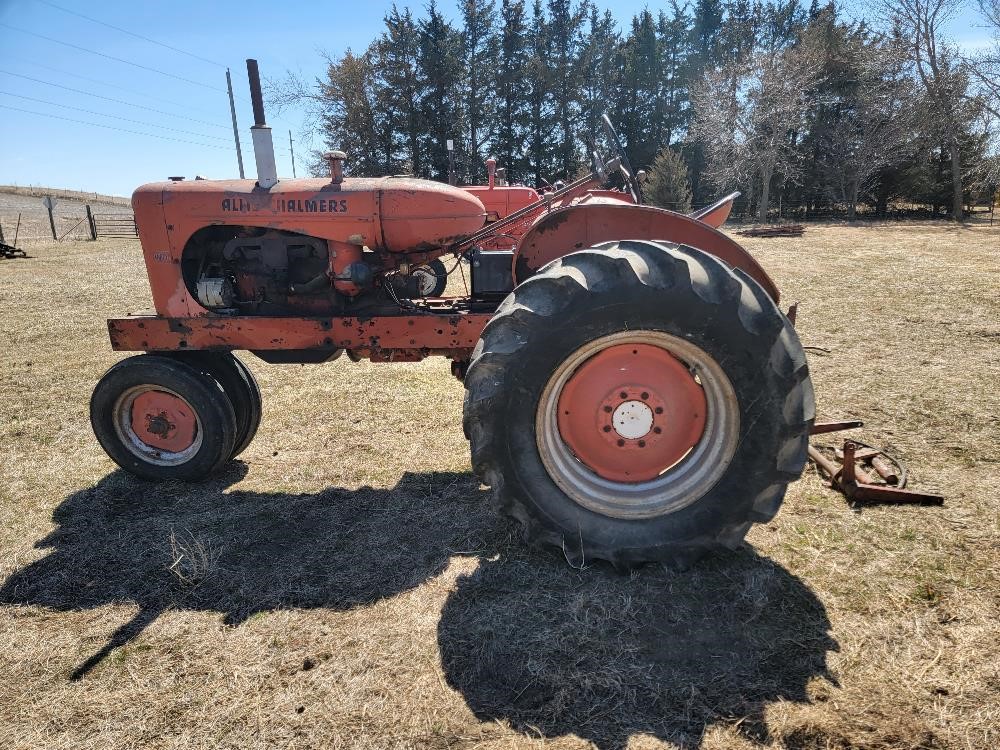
(586, 224)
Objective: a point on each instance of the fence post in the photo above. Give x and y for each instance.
(4, 242)
(90, 221)
(52, 219)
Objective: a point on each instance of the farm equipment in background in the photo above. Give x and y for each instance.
(633, 391)
(12, 251)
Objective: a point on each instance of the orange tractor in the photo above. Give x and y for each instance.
(633, 391)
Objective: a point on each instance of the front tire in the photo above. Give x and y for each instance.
(240, 386)
(162, 418)
(638, 402)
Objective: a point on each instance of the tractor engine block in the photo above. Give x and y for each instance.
(260, 272)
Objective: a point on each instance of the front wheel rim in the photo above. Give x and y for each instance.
(599, 446)
(157, 425)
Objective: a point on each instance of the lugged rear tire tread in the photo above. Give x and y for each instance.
(537, 304)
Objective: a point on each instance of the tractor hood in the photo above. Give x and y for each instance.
(398, 214)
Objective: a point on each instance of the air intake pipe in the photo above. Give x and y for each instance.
(263, 147)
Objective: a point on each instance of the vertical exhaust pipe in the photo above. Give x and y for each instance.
(263, 146)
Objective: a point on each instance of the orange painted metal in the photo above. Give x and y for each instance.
(396, 338)
(395, 215)
(716, 214)
(626, 373)
(503, 200)
(600, 220)
(164, 421)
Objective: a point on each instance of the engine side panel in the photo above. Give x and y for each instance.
(394, 215)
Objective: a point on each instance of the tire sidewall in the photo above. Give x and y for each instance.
(714, 328)
(202, 392)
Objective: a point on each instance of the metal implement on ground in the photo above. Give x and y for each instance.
(12, 251)
(633, 391)
(777, 230)
(851, 478)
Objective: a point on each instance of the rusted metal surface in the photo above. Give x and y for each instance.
(386, 338)
(820, 428)
(858, 485)
(12, 250)
(626, 383)
(397, 215)
(780, 230)
(885, 469)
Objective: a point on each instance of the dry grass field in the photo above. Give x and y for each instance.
(346, 584)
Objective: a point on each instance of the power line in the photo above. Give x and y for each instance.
(110, 57)
(111, 99)
(131, 33)
(112, 127)
(113, 86)
(114, 117)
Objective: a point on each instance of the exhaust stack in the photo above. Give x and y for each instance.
(263, 146)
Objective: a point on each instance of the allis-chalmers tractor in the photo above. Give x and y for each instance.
(633, 391)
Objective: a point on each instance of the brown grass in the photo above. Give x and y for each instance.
(346, 585)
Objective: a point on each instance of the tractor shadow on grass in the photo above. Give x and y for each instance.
(556, 651)
(524, 639)
(199, 546)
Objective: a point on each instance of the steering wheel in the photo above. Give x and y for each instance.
(624, 166)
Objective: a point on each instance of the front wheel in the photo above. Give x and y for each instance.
(638, 402)
(159, 418)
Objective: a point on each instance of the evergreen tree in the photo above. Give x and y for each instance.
(668, 185)
(599, 58)
(563, 32)
(440, 66)
(512, 91)
(479, 78)
(705, 34)
(540, 119)
(349, 119)
(532, 83)
(673, 41)
(639, 93)
(400, 90)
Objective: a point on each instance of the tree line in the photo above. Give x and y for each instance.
(791, 104)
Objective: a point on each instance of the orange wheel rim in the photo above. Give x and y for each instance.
(631, 412)
(163, 421)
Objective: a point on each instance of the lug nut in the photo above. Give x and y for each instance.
(623, 394)
(621, 443)
(644, 395)
(659, 410)
(642, 443)
(607, 428)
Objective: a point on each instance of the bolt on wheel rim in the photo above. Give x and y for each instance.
(637, 424)
(157, 425)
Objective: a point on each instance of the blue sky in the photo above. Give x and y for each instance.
(41, 145)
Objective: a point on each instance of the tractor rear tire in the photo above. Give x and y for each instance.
(240, 386)
(162, 418)
(637, 402)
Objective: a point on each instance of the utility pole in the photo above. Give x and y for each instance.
(451, 161)
(292, 149)
(236, 130)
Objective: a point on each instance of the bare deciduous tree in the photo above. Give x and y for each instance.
(873, 120)
(986, 70)
(941, 71)
(746, 114)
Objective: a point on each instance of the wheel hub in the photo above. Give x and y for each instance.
(631, 412)
(163, 421)
(632, 420)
